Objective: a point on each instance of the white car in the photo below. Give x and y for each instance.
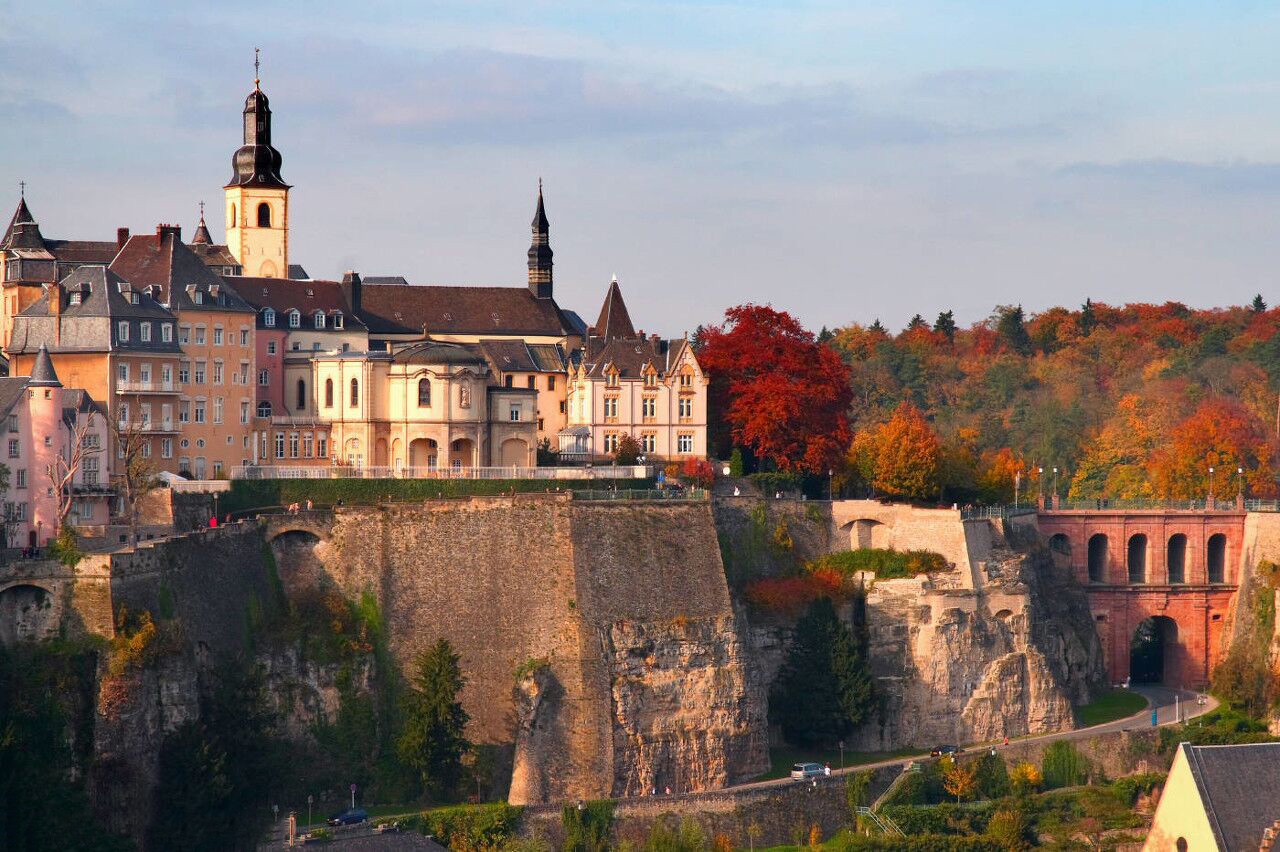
(802, 771)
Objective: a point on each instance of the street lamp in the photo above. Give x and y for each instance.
(1240, 485)
(1055, 488)
(830, 478)
(1210, 503)
(1040, 487)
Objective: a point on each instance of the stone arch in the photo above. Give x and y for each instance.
(423, 452)
(380, 452)
(1176, 559)
(1097, 561)
(514, 452)
(866, 532)
(298, 555)
(1155, 652)
(1136, 558)
(462, 452)
(1216, 558)
(27, 614)
(1004, 615)
(1060, 543)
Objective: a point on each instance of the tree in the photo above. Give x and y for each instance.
(82, 443)
(136, 474)
(824, 688)
(8, 519)
(627, 452)
(1011, 325)
(917, 322)
(1063, 766)
(1025, 777)
(905, 455)
(776, 391)
(1087, 319)
(992, 776)
(1010, 828)
(432, 741)
(959, 780)
(1222, 435)
(945, 324)
(1258, 305)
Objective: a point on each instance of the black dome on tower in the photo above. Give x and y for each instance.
(256, 162)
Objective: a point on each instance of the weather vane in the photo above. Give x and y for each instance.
(201, 211)
(257, 78)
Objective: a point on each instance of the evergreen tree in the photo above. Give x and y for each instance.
(826, 335)
(877, 327)
(993, 776)
(432, 741)
(1258, 305)
(917, 321)
(1087, 320)
(1011, 325)
(946, 324)
(824, 689)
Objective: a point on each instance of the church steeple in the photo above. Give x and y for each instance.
(257, 197)
(540, 251)
(202, 236)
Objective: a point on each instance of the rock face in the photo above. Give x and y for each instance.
(1007, 658)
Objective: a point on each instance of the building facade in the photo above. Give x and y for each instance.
(257, 198)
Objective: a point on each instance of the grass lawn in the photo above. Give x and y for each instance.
(1111, 705)
(782, 759)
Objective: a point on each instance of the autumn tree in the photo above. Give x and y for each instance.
(628, 450)
(959, 780)
(82, 443)
(777, 391)
(136, 474)
(1221, 435)
(902, 457)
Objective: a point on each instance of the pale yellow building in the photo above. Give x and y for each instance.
(1219, 798)
(422, 406)
(622, 383)
(257, 198)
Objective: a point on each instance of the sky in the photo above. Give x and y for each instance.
(844, 161)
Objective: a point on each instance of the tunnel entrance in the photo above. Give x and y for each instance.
(1151, 650)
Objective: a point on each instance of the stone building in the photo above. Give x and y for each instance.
(213, 393)
(623, 383)
(42, 420)
(423, 405)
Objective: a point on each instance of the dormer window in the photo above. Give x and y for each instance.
(269, 318)
(75, 297)
(134, 298)
(611, 377)
(122, 331)
(295, 318)
(337, 319)
(650, 378)
(198, 297)
(319, 319)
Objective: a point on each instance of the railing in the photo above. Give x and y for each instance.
(148, 427)
(146, 387)
(1152, 505)
(642, 494)
(327, 471)
(282, 420)
(886, 825)
(1002, 512)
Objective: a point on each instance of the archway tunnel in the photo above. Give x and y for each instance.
(1154, 652)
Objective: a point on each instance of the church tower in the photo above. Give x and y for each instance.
(540, 252)
(257, 197)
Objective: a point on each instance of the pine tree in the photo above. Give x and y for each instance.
(1012, 327)
(946, 324)
(993, 776)
(1258, 304)
(1087, 320)
(432, 741)
(824, 689)
(917, 321)
(877, 327)
(826, 335)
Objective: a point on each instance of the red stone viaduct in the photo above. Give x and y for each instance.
(1179, 567)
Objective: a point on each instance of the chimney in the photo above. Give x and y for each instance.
(351, 286)
(55, 311)
(174, 231)
(122, 237)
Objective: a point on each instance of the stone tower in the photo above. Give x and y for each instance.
(257, 197)
(540, 252)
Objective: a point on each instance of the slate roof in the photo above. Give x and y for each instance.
(437, 352)
(283, 294)
(629, 355)
(21, 214)
(411, 309)
(516, 356)
(162, 261)
(82, 251)
(42, 372)
(1240, 788)
(615, 320)
(11, 390)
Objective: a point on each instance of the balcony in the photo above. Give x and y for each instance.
(147, 387)
(150, 427)
(283, 420)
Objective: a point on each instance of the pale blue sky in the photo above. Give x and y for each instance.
(844, 161)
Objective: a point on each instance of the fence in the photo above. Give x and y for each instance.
(969, 512)
(642, 494)
(1152, 505)
(609, 472)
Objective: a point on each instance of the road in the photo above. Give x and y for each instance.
(1162, 698)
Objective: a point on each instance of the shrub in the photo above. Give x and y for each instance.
(1129, 788)
(1221, 726)
(1025, 778)
(1010, 828)
(529, 666)
(470, 828)
(735, 462)
(66, 547)
(886, 563)
(1063, 766)
(587, 825)
(627, 451)
(992, 776)
(771, 483)
(698, 472)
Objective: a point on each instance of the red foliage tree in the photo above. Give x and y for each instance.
(1222, 435)
(779, 393)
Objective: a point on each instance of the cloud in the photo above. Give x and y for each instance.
(1209, 179)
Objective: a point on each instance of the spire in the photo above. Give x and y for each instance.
(23, 232)
(257, 77)
(42, 372)
(256, 162)
(540, 279)
(201, 236)
(614, 320)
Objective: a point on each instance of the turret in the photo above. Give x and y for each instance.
(540, 252)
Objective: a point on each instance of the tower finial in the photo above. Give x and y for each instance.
(539, 184)
(256, 77)
(22, 188)
(201, 212)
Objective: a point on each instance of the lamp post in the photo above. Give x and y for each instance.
(1017, 481)
(1240, 488)
(1055, 488)
(1040, 487)
(1209, 504)
(830, 484)
(310, 799)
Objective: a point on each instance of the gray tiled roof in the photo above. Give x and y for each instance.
(1240, 788)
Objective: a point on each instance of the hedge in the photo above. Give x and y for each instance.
(469, 826)
(888, 564)
(248, 494)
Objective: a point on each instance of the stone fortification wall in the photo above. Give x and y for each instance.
(1261, 540)
(616, 615)
(868, 523)
(747, 527)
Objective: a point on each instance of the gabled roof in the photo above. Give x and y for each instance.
(161, 260)
(283, 295)
(1240, 788)
(614, 319)
(629, 356)
(11, 390)
(411, 309)
(83, 251)
(438, 352)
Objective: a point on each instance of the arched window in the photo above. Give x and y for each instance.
(232, 222)
(264, 215)
(269, 318)
(424, 393)
(1176, 558)
(302, 395)
(264, 409)
(1097, 558)
(328, 393)
(355, 392)
(1217, 558)
(1137, 558)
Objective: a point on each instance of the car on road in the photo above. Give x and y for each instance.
(807, 770)
(351, 816)
(945, 751)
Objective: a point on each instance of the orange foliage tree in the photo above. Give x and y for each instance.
(901, 457)
(1222, 435)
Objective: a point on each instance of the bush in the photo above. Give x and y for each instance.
(66, 547)
(886, 563)
(698, 472)
(941, 819)
(1221, 726)
(1129, 788)
(735, 462)
(470, 828)
(771, 483)
(627, 451)
(992, 777)
(1010, 828)
(1063, 766)
(587, 825)
(1025, 778)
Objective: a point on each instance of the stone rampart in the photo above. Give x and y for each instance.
(869, 523)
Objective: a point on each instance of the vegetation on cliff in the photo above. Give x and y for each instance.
(1247, 678)
(432, 740)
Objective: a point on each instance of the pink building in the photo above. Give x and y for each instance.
(41, 422)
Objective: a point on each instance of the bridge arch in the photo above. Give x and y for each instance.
(1216, 558)
(1175, 562)
(1136, 558)
(299, 553)
(27, 613)
(867, 532)
(1098, 558)
(1156, 653)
